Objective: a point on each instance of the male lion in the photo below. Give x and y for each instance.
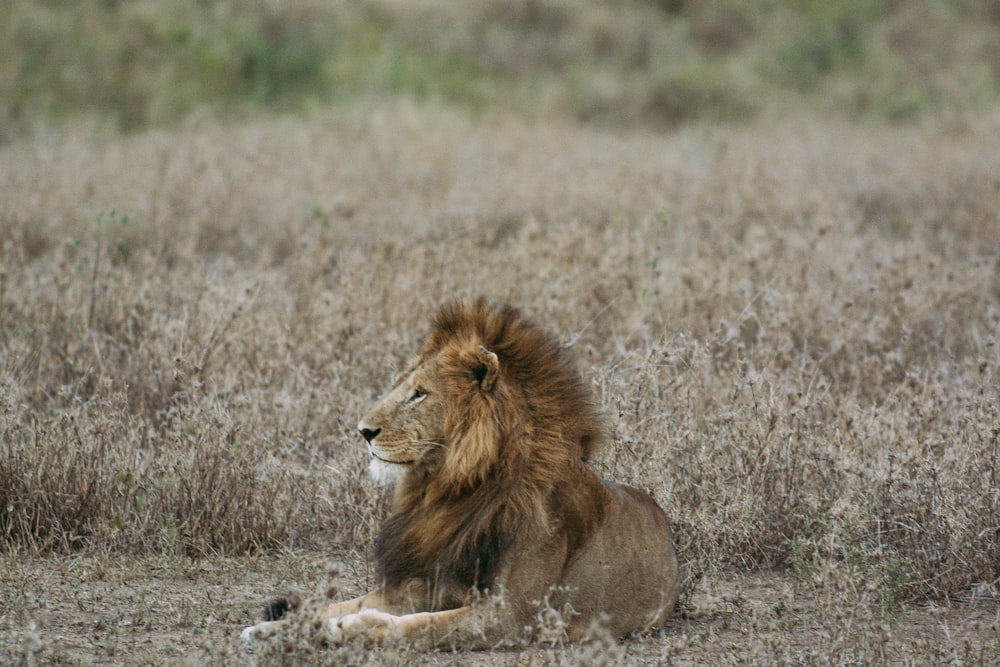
(496, 514)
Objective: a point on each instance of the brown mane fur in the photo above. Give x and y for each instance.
(527, 437)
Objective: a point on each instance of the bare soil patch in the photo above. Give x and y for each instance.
(93, 610)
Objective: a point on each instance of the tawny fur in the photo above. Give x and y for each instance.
(488, 432)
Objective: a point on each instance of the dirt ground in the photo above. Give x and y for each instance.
(123, 611)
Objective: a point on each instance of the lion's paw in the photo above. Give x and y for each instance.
(249, 638)
(255, 634)
(367, 622)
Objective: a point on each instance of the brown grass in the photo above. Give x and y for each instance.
(791, 326)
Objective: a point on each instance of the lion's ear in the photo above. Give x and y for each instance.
(486, 369)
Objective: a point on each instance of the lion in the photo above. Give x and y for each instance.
(496, 515)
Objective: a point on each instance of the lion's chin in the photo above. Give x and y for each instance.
(386, 473)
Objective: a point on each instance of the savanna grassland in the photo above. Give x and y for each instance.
(785, 293)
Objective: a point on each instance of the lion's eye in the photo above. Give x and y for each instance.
(417, 395)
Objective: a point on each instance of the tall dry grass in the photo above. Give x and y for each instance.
(792, 329)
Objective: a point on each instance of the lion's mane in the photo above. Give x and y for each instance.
(509, 459)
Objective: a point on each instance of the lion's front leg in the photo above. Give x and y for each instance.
(266, 630)
(472, 627)
(348, 607)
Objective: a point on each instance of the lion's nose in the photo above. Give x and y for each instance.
(369, 434)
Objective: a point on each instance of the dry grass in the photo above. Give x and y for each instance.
(792, 328)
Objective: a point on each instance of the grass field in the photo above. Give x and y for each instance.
(790, 317)
(792, 330)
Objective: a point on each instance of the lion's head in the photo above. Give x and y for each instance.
(486, 380)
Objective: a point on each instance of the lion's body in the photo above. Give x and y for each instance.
(486, 436)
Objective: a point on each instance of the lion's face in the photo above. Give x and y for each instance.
(406, 426)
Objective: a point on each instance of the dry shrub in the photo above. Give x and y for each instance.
(790, 472)
(99, 476)
(121, 428)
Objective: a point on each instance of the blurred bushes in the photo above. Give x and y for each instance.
(147, 63)
(653, 63)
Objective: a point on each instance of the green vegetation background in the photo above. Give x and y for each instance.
(656, 63)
